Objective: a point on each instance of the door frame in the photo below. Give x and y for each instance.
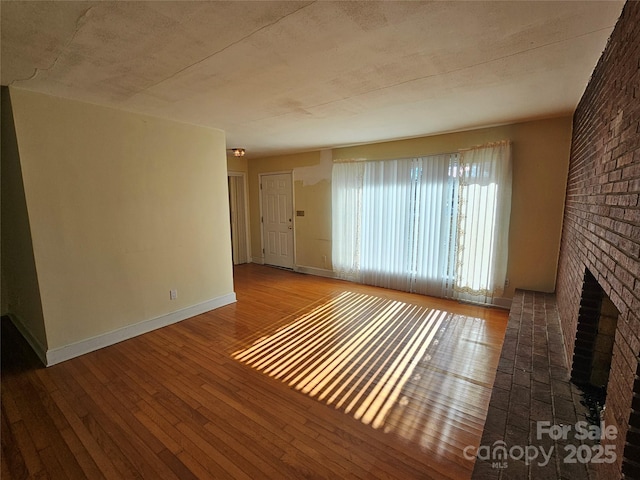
(293, 217)
(247, 223)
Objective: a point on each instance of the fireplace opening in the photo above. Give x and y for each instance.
(593, 351)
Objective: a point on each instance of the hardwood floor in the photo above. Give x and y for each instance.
(200, 399)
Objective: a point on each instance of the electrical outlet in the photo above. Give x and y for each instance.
(506, 282)
(173, 294)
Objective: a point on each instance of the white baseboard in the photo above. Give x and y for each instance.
(73, 350)
(320, 272)
(498, 302)
(258, 260)
(37, 347)
(502, 302)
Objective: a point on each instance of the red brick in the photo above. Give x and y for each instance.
(602, 220)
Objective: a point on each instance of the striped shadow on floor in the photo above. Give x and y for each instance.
(355, 352)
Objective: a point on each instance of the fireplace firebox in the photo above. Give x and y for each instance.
(593, 351)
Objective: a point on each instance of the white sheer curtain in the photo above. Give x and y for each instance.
(346, 214)
(484, 208)
(435, 225)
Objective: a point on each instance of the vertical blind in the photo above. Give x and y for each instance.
(436, 225)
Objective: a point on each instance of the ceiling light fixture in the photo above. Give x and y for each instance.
(238, 152)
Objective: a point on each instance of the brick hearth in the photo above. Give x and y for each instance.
(533, 385)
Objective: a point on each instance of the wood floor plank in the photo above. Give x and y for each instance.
(47, 426)
(216, 454)
(71, 460)
(12, 461)
(263, 460)
(251, 434)
(176, 403)
(195, 467)
(33, 418)
(52, 464)
(5, 470)
(180, 470)
(9, 407)
(20, 435)
(158, 432)
(136, 442)
(109, 442)
(87, 441)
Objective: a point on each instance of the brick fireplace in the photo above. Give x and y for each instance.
(601, 238)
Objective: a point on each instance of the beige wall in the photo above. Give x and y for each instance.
(311, 193)
(20, 296)
(540, 155)
(237, 164)
(122, 208)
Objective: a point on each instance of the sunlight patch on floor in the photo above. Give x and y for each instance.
(355, 352)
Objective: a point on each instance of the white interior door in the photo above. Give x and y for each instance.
(277, 219)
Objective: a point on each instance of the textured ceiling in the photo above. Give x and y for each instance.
(291, 76)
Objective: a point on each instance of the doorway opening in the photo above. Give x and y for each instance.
(238, 218)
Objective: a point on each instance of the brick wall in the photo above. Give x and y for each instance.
(601, 229)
